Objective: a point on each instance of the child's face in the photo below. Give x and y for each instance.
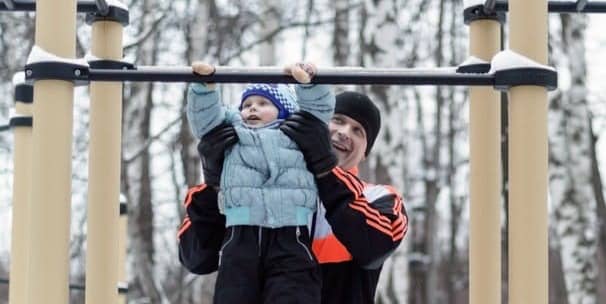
(258, 110)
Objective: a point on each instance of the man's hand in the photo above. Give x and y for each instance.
(313, 139)
(212, 148)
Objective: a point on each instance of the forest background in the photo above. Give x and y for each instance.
(422, 148)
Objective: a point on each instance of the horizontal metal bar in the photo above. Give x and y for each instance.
(276, 75)
(121, 290)
(9, 4)
(83, 6)
(562, 7)
(2, 129)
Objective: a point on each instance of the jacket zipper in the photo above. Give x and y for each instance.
(303, 245)
(260, 234)
(231, 237)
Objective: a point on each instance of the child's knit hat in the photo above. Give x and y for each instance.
(279, 94)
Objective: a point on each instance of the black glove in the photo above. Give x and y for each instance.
(212, 148)
(312, 136)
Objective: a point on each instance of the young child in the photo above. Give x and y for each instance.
(266, 192)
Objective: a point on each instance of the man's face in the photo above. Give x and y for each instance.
(258, 111)
(348, 139)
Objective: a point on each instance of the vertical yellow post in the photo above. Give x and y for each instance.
(485, 180)
(104, 171)
(122, 252)
(528, 270)
(51, 162)
(21, 189)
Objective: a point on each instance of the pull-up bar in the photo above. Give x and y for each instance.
(344, 75)
(579, 6)
(338, 75)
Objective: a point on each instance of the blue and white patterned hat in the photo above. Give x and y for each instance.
(279, 94)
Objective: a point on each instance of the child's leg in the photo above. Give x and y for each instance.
(291, 271)
(238, 280)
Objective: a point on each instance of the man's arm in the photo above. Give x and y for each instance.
(201, 233)
(370, 230)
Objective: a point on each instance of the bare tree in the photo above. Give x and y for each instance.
(136, 173)
(572, 196)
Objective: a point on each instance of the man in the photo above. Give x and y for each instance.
(358, 224)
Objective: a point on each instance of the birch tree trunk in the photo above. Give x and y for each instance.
(598, 190)
(196, 30)
(571, 175)
(341, 46)
(383, 24)
(136, 177)
(271, 19)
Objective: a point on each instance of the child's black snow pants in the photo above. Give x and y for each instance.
(267, 265)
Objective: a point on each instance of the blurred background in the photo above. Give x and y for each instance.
(422, 148)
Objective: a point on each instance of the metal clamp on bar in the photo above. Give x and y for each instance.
(476, 68)
(108, 64)
(112, 10)
(123, 208)
(506, 79)
(20, 121)
(57, 71)
(474, 65)
(122, 288)
(24, 93)
(478, 12)
(42, 65)
(512, 69)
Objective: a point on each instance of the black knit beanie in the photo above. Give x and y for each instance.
(361, 109)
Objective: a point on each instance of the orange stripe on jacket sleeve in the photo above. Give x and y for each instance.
(186, 224)
(372, 212)
(401, 228)
(348, 183)
(379, 226)
(191, 192)
(353, 180)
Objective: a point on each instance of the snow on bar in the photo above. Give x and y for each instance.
(18, 78)
(38, 54)
(508, 60)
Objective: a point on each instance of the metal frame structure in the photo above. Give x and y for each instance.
(84, 6)
(527, 150)
(579, 6)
